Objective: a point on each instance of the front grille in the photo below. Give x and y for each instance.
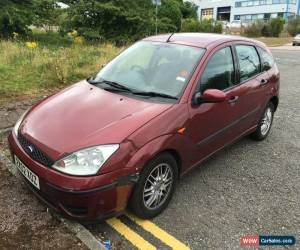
(33, 151)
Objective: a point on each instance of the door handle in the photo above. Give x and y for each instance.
(263, 82)
(233, 99)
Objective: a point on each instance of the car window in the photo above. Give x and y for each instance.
(248, 60)
(146, 66)
(267, 60)
(219, 72)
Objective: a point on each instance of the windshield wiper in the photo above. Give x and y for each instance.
(156, 94)
(119, 87)
(112, 84)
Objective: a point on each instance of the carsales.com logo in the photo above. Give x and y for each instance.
(267, 240)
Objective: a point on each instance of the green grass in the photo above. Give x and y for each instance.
(275, 41)
(55, 63)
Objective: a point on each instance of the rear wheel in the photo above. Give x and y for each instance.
(265, 123)
(155, 187)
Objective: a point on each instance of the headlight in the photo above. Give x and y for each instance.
(87, 161)
(18, 123)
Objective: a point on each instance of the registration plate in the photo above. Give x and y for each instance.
(29, 175)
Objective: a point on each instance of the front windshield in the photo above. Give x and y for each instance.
(153, 67)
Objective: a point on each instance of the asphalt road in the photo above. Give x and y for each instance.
(249, 188)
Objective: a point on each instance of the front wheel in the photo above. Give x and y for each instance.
(155, 187)
(265, 123)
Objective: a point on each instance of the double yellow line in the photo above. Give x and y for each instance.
(138, 241)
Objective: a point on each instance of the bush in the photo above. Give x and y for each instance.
(207, 26)
(190, 25)
(272, 28)
(293, 26)
(210, 26)
(276, 26)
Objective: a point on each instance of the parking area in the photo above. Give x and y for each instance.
(249, 188)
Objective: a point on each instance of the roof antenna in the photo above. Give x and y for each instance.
(168, 40)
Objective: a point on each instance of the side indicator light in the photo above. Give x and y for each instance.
(181, 130)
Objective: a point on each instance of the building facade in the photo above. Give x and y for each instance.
(246, 10)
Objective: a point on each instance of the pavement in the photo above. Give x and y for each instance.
(249, 188)
(12, 111)
(25, 223)
(288, 47)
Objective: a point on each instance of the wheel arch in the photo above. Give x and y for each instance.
(275, 101)
(176, 156)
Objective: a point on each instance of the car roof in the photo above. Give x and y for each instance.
(201, 40)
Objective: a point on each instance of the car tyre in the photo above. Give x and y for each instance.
(155, 187)
(265, 123)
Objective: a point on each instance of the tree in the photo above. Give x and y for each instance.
(189, 10)
(15, 16)
(171, 9)
(47, 13)
(123, 21)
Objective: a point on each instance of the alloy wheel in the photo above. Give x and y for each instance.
(158, 186)
(266, 121)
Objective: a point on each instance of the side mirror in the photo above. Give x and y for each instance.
(209, 96)
(266, 66)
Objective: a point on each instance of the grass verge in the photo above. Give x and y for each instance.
(275, 41)
(26, 72)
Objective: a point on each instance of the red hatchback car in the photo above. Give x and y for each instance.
(156, 111)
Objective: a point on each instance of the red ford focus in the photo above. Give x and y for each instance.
(156, 111)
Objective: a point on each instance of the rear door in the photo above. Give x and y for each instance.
(252, 84)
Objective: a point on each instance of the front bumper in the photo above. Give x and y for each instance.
(80, 198)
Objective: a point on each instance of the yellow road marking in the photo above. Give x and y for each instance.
(158, 233)
(130, 235)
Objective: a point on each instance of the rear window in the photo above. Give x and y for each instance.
(267, 60)
(248, 60)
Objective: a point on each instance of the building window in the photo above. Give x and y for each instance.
(207, 14)
(261, 16)
(250, 3)
(267, 16)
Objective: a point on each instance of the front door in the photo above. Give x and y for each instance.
(212, 125)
